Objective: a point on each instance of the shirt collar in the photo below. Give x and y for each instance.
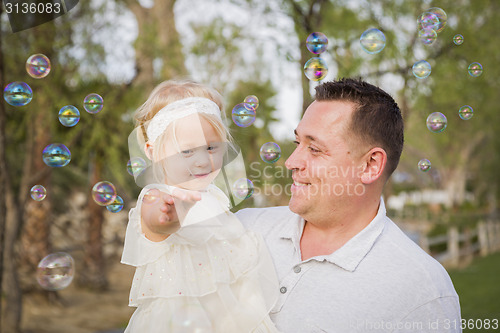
(351, 253)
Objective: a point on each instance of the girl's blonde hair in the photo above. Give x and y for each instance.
(168, 92)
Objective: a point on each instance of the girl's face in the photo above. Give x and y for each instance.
(196, 159)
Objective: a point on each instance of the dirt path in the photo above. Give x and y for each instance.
(80, 310)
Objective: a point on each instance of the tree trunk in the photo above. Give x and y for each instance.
(35, 237)
(94, 273)
(158, 39)
(12, 289)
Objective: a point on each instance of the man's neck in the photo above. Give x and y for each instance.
(327, 236)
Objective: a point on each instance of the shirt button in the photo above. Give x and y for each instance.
(283, 290)
(297, 269)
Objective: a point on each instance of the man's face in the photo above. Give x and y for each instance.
(325, 168)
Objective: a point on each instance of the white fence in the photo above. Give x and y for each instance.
(462, 247)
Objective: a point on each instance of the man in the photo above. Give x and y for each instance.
(343, 265)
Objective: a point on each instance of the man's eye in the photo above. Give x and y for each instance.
(314, 150)
(296, 142)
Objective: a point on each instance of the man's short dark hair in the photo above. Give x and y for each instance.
(376, 119)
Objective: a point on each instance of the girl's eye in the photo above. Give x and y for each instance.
(187, 152)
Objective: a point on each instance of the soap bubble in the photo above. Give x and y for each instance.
(93, 103)
(441, 15)
(428, 20)
(421, 69)
(458, 39)
(38, 66)
(18, 93)
(55, 271)
(243, 115)
(270, 152)
(104, 193)
(38, 192)
(190, 318)
(116, 205)
(372, 41)
(135, 166)
(424, 165)
(56, 155)
(316, 42)
(251, 102)
(436, 122)
(427, 36)
(466, 112)
(475, 69)
(152, 196)
(69, 116)
(315, 69)
(243, 188)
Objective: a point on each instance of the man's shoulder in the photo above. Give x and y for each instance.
(265, 218)
(419, 265)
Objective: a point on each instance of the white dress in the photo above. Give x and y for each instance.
(211, 276)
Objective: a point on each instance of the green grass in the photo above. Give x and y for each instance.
(478, 287)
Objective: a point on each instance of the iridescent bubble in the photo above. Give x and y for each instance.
(428, 20)
(69, 116)
(421, 69)
(466, 112)
(55, 271)
(18, 93)
(38, 66)
(251, 102)
(38, 192)
(436, 122)
(427, 36)
(315, 69)
(190, 318)
(135, 166)
(372, 41)
(316, 42)
(458, 39)
(270, 152)
(93, 103)
(151, 196)
(424, 165)
(243, 188)
(441, 15)
(104, 193)
(475, 69)
(116, 205)
(56, 155)
(243, 115)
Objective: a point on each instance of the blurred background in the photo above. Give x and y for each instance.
(120, 49)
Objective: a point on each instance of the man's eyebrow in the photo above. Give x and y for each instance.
(310, 138)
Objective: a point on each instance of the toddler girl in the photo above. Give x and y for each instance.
(202, 271)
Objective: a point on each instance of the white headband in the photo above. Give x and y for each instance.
(180, 109)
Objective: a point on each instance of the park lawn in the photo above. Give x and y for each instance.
(478, 287)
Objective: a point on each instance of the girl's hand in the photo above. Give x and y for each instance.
(159, 217)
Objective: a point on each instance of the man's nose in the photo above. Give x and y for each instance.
(296, 160)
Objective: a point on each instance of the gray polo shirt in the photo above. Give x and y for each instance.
(379, 281)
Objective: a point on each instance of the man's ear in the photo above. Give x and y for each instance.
(374, 165)
(148, 150)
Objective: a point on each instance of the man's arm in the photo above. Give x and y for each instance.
(441, 314)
